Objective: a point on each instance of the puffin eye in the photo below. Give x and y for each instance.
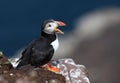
(49, 25)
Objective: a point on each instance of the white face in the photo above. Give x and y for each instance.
(50, 27)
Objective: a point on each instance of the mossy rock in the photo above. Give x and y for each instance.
(4, 62)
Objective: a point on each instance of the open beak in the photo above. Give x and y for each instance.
(60, 23)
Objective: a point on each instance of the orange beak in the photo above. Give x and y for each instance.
(60, 23)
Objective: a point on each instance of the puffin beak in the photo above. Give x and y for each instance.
(60, 23)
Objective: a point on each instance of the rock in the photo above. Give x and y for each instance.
(5, 64)
(54, 81)
(31, 76)
(27, 74)
(69, 72)
(74, 73)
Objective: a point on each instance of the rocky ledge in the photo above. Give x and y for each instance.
(69, 72)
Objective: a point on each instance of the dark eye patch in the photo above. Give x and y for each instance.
(49, 25)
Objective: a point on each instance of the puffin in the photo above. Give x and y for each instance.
(41, 50)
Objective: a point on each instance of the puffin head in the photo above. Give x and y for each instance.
(50, 26)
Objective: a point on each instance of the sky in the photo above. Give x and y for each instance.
(20, 20)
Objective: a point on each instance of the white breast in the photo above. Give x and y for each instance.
(55, 44)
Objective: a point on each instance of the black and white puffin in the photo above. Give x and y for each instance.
(40, 51)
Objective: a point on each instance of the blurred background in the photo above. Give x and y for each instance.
(92, 34)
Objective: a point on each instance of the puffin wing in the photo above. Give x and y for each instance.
(24, 59)
(41, 56)
(27, 50)
(37, 52)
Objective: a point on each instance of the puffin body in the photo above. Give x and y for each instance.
(40, 51)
